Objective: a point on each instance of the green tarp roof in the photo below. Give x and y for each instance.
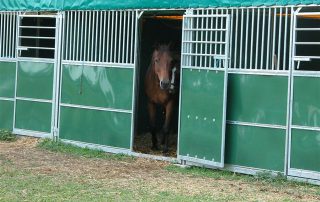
(137, 4)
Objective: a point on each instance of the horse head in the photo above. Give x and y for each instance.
(162, 64)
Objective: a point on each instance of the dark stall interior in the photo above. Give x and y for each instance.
(155, 28)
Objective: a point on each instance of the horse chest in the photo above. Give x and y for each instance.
(158, 96)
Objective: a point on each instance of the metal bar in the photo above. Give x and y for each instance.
(112, 39)
(279, 39)
(221, 38)
(251, 42)
(74, 27)
(209, 29)
(90, 41)
(241, 40)
(104, 36)
(285, 40)
(132, 37)
(199, 15)
(67, 44)
(236, 40)
(100, 64)
(34, 100)
(241, 123)
(36, 37)
(124, 36)
(115, 38)
(197, 38)
(1, 35)
(78, 49)
(128, 35)
(231, 36)
(220, 56)
(95, 23)
(307, 43)
(38, 16)
(247, 36)
(85, 57)
(119, 37)
(82, 33)
(100, 44)
(10, 36)
(35, 48)
(206, 39)
(108, 31)
(268, 40)
(307, 29)
(262, 40)
(6, 35)
(257, 39)
(96, 108)
(36, 27)
(6, 99)
(92, 49)
(206, 42)
(274, 39)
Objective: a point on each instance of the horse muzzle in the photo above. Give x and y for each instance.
(165, 84)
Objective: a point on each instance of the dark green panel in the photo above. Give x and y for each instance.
(98, 127)
(255, 147)
(7, 79)
(35, 80)
(6, 114)
(33, 116)
(306, 105)
(97, 86)
(257, 98)
(201, 114)
(305, 150)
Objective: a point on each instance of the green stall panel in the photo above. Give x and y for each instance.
(201, 117)
(97, 86)
(257, 99)
(35, 80)
(255, 147)
(6, 114)
(7, 79)
(306, 101)
(305, 150)
(33, 116)
(97, 127)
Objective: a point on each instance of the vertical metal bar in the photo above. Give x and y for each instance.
(216, 37)
(10, 36)
(90, 41)
(82, 33)
(231, 37)
(211, 38)
(201, 39)
(128, 37)
(119, 37)
(262, 41)
(221, 33)
(268, 40)
(251, 42)
(257, 39)
(241, 40)
(274, 38)
(78, 50)
(111, 39)
(1, 33)
(197, 38)
(108, 47)
(279, 39)
(100, 41)
(285, 40)
(96, 20)
(104, 36)
(236, 40)
(94, 32)
(116, 42)
(132, 37)
(16, 76)
(67, 44)
(123, 60)
(246, 45)
(6, 35)
(292, 35)
(206, 44)
(85, 57)
(74, 28)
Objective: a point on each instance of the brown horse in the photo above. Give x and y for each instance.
(161, 86)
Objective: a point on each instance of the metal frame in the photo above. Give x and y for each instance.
(192, 59)
(55, 61)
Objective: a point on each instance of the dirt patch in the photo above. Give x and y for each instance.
(142, 174)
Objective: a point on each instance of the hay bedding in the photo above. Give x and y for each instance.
(143, 144)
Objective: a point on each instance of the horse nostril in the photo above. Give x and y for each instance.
(164, 84)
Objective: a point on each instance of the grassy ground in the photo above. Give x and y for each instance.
(47, 171)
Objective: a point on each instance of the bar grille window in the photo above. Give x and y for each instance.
(260, 38)
(99, 36)
(8, 21)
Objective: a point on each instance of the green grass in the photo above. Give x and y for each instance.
(58, 146)
(264, 177)
(7, 136)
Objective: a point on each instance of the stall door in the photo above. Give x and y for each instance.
(304, 136)
(203, 87)
(37, 71)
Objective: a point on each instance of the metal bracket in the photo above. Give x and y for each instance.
(301, 59)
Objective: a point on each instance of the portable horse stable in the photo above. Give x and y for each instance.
(249, 80)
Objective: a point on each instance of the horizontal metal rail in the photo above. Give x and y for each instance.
(33, 100)
(96, 108)
(37, 27)
(37, 16)
(30, 47)
(37, 37)
(260, 125)
(6, 99)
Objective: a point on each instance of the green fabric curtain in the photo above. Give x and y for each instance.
(14, 5)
